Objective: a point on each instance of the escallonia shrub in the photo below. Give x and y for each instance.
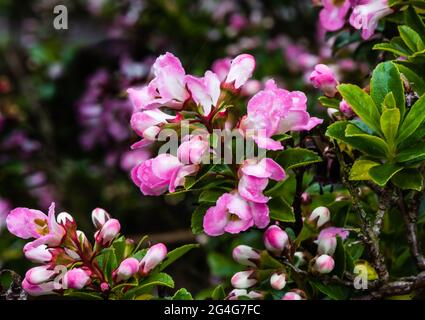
(255, 164)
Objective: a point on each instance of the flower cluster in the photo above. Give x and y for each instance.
(209, 103)
(270, 270)
(67, 258)
(365, 14)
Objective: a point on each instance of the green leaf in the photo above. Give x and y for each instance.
(412, 153)
(219, 293)
(210, 195)
(221, 265)
(334, 292)
(83, 295)
(360, 169)
(396, 46)
(108, 262)
(182, 294)
(176, 254)
(417, 83)
(390, 120)
(281, 210)
(408, 179)
(411, 38)
(369, 141)
(268, 262)
(297, 157)
(383, 173)
(119, 246)
(386, 79)
(362, 104)
(337, 131)
(329, 102)
(197, 222)
(307, 232)
(158, 279)
(413, 120)
(415, 22)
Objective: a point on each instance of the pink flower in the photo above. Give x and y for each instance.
(155, 255)
(76, 278)
(39, 275)
(278, 281)
(333, 232)
(332, 16)
(246, 255)
(39, 289)
(99, 217)
(320, 215)
(233, 214)
(254, 176)
(324, 264)
(243, 279)
(221, 68)
(126, 269)
(29, 223)
(292, 296)
(275, 239)
(204, 91)
(274, 111)
(367, 14)
(147, 124)
(241, 69)
(40, 254)
(155, 176)
(166, 89)
(324, 79)
(108, 232)
(236, 293)
(193, 149)
(345, 108)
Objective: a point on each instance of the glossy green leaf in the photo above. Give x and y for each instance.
(339, 258)
(334, 292)
(362, 104)
(390, 120)
(408, 179)
(415, 152)
(416, 82)
(198, 218)
(158, 279)
(413, 120)
(329, 102)
(182, 294)
(370, 141)
(396, 46)
(386, 79)
(280, 210)
(297, 157)
(415, 22)
(175, 254)
(360, 169)
(383, 173)
(411, 38)
(337, 131)
(218, 293)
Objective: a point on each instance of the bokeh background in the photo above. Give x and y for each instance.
(64, 114)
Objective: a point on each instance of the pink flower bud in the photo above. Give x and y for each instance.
(76, 279)
(108, 232)
(275, 239)
(324, 79)
(155, 255)
(241, 69)
(104, 287)
(236, 293)
(292, 296)
(326, 245)
(40, 254)
(65, 218)
(278, 281)
(324, 264)
(321, 215)
(345, 108)
(243, 279)
(38, 275)
(245, 255)
(99, 217)
(38, 289)
(126, 270)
